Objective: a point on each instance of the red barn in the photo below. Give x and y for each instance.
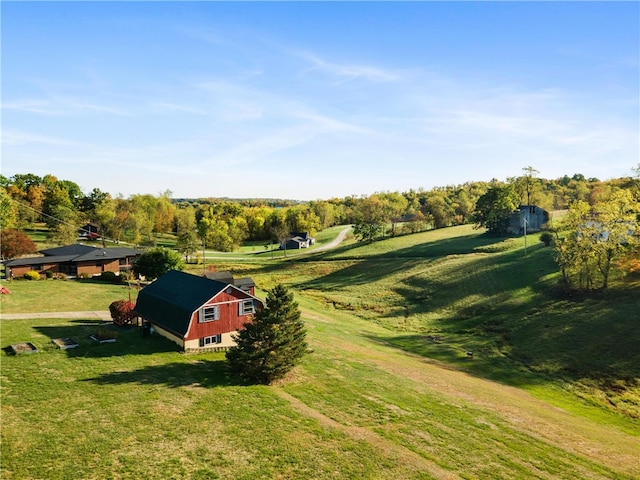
(196, 312)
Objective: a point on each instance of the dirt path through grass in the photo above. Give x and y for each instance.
(410, 461)
(526, 413)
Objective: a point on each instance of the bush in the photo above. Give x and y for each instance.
(546, 238)
(109, 277)
(156, 262)
(48, 274)
(122, 312)
(126, 277)
(32, 275)
(85, 276)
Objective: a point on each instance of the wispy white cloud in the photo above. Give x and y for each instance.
(62, 106)
(177, 107)
(13, 137)
(328, 124)
(343, 72)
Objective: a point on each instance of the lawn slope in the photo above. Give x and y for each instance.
(444, 293)
(356, 408)
(388, 392)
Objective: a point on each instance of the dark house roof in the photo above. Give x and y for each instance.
(244, 283)
(172, 298)
(302, 235)
(226, 277)
(75, 253)
(86, 252)
(17, 262)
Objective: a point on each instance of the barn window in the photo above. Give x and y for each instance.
(212, 340)
(209, 314)
(247, 308)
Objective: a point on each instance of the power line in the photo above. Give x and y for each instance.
(65, 222)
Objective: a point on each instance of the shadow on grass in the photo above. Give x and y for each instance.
(489, 281)
(128, 340)
(476, 359)
(447, 246)
(371, 268)
(500, 305)
(197, 373)
(593, 341)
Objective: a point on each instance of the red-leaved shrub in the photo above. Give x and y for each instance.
(122, 312)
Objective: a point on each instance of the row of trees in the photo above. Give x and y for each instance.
(224, 224)
(598, 236)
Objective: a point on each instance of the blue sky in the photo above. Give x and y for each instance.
(309, 100)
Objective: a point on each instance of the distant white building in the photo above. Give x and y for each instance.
(297, 240)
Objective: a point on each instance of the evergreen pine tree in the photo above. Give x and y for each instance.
(273, 343)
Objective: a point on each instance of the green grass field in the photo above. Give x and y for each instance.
(63, 295)
(388, 392)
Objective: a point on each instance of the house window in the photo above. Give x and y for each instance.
(209, 314)
(212, 340)
(246, 307)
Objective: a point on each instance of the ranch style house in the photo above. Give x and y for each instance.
(75, 260)
(195, 312)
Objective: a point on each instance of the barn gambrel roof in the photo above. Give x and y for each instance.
(171, 300)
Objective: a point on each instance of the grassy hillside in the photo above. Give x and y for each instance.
(356, 408)
(446, 292)
(388, 391)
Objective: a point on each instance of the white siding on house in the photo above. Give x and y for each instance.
(164, 333)
(226, 342)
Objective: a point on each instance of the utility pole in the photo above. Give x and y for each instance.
(524, 224)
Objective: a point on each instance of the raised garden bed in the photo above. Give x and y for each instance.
(25, 347)
(99, 339)
(104, 335)
(64, 343)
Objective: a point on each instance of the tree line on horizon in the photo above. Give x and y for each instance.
(224, 224)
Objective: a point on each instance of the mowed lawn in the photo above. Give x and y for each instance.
(443, 293)
(388, 392)
(355, 409)
(63, 295)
